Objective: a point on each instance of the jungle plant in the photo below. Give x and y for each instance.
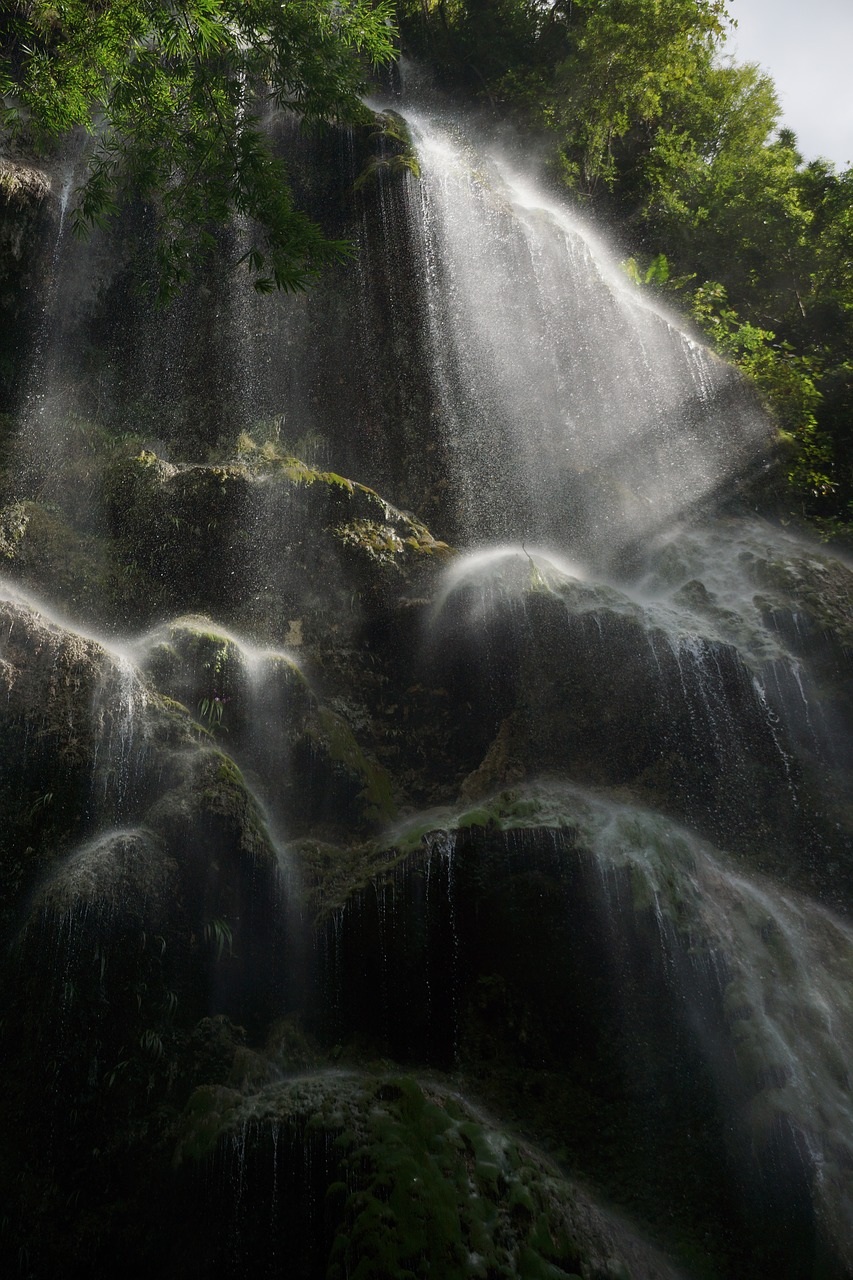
(212, 705)
(211, 709)
(173, 91)
(219, 936)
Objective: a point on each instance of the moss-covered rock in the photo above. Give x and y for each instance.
(195, 529)
(118, 806)
(385, 1176)
(43, 550)
(214, 919)
(332, 736)
(396, 154)
(655, 691)
(304, 758)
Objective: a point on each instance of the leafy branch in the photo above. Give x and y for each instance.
(167, 88)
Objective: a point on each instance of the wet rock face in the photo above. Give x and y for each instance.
(264, 536)
(302, 756)
(146, 817)
(141, 894)
(508, 960)
(50, 679)
(26, 216)
(343, 376)
(282, 549)
(587, 1001)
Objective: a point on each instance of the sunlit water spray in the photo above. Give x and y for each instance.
(575, 414)
(119, 705)
(113, 719)
(505, 569)
(572, 409)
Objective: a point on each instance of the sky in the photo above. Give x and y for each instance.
(808, 51)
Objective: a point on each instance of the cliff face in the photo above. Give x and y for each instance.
(26, 214)
(385, 894)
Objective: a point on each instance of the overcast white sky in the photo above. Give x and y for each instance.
(808, 50)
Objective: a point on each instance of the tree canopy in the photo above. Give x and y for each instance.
(173, 91)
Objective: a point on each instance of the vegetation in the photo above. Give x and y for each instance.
(650, 124)
(174, 91)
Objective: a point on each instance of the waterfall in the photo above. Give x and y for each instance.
(572, 407)
(422, 742)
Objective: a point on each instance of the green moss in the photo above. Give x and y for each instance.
(206, 1117)
(210, 794)
(175, 709)
(299, 472)
(380, 542)
(376, 165)
(42, 549)
(337, 737)
(417, 1183)
(409, 837)
(331, 874)
(543, 804)
(14, 519)
(230, 774)
(419, 1211)
(271, 457)
(387, 542)
(226, 793)
(194, 647)
(398, 156)
(384, 534)
(474, 818)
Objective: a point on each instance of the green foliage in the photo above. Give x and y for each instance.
(219, 937)
(173, 90)
(211, 710)
(151, 1043)
(785, 379)
(657, 272)
(633, 64)
(211, 706)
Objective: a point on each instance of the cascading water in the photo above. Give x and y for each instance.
(572, 408)
(564, 814)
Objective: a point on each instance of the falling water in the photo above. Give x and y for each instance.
(39, 387)
(570, 405)
(120, 703)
